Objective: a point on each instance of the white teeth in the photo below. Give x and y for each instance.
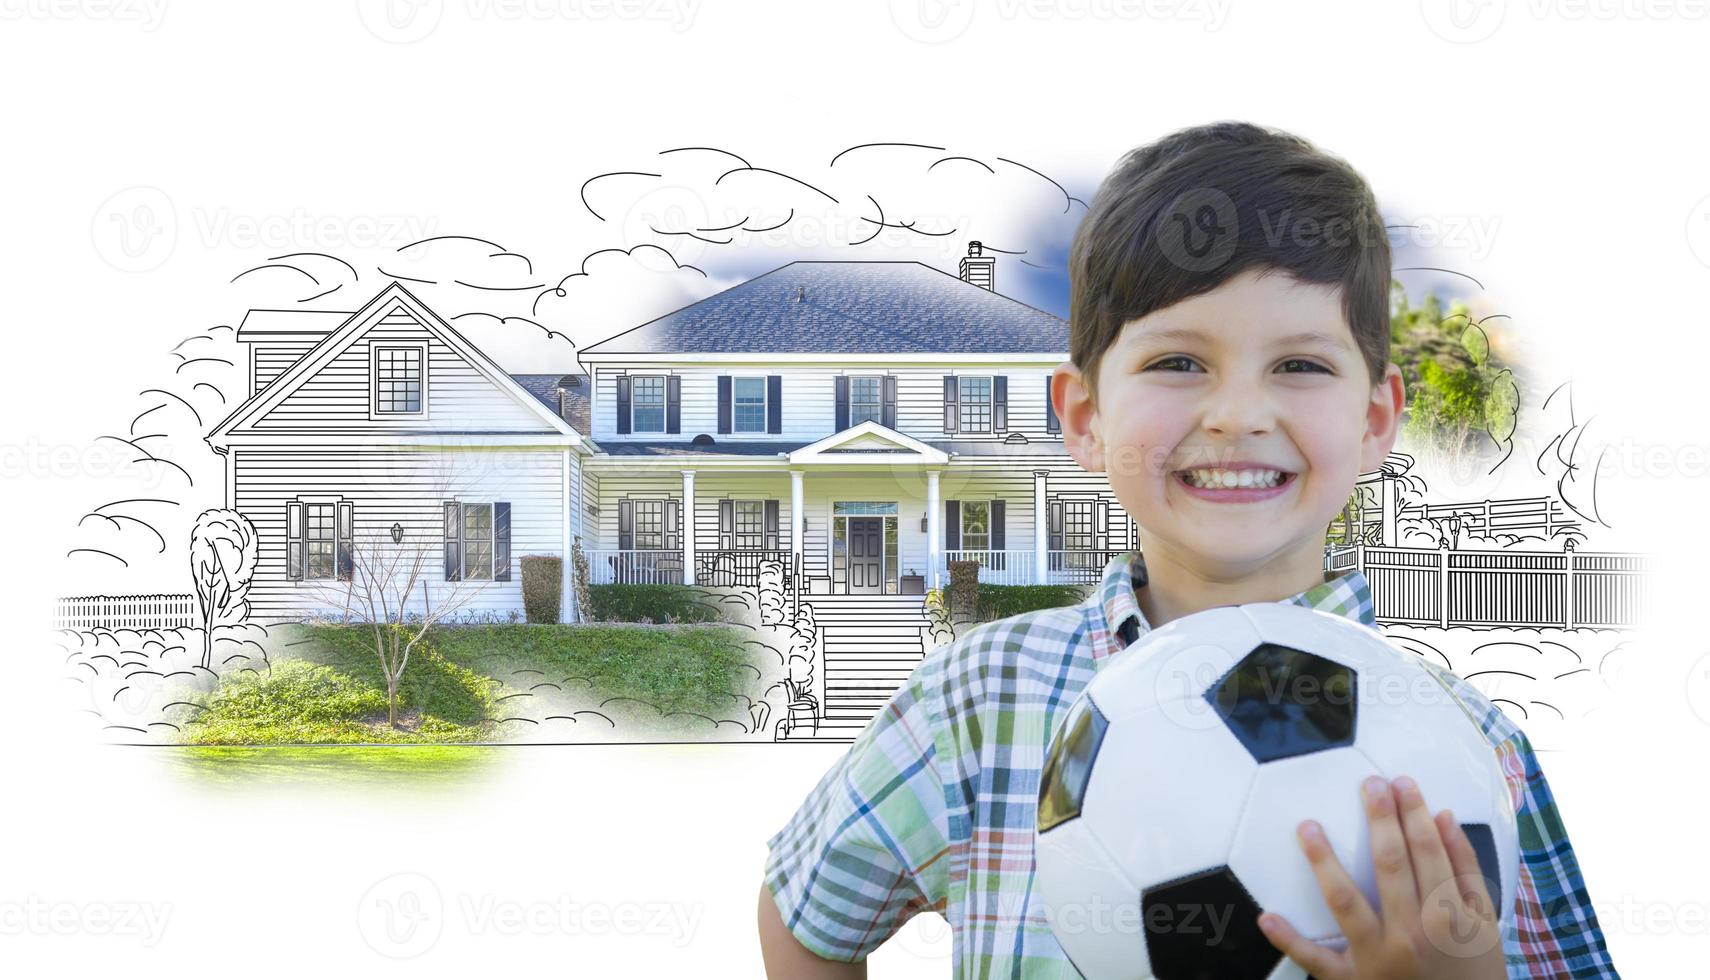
(1228, 479)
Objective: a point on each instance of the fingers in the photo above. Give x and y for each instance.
(1349, 907)
(1397, 891)
(1432, 868)
(1318, 961)
(1469, 877)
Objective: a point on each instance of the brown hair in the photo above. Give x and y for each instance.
(1182, 215)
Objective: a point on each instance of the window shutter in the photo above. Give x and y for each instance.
(724, 404)
(623, 404)
(951, 394)
(1000, 402)
(294, 541)
(625, 524)
(672, 509)
(452, 536)
(840, 398)
(501, 541)
(1051, 422)
(889, 412)
(673, 403)
(952, 525)
(346, 558)
(997, 525)
(774, 403)
(1101, 526)
(1054, 525)
(772, 524)
(726, 524)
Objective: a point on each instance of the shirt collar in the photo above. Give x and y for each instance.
(1117, 621)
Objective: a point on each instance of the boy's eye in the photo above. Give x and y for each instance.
(1177, 359)
(1312, 365)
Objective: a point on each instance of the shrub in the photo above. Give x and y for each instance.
(1003, 601)
(542, 587)
(964, 589)
(632, 603)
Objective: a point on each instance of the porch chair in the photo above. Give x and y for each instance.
(801, 700)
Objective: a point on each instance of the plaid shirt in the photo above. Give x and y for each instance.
(933, 805)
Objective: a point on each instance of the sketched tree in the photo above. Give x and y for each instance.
(222, 562)
(389, 591)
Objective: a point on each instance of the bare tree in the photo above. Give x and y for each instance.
(390, 590)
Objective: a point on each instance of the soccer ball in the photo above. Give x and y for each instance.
(1171, 791)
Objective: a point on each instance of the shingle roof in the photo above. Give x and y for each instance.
(849, 307)
(544, 387)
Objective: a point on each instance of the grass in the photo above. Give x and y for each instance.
(327, 686)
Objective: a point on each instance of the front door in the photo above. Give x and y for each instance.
(866, 554)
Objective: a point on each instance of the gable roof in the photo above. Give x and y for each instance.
(354, 326)
(545, 387)
(849, 307)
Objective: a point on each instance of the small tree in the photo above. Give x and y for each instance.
(222, 562)
(389, 591)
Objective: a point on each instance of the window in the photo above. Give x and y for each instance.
(398, 381)
(866, 400)
(649, 525)
(750, 520)
(477, 541)
(1078, 525)
(749, 395)
(647, 406)
(975, 397)
(976, 525)
(319, 542)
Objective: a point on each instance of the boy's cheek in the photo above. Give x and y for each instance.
(1132, 462)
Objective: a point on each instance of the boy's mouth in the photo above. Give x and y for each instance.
(1235, 478)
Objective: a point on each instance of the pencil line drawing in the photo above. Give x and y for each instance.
(827, 458)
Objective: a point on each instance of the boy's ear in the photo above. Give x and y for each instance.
(1079, 416)
(1383, 419)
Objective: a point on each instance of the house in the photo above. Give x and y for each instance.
(865, 422)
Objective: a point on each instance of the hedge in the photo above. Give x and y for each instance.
(542, 587)
(653, 603)
(1002, 601)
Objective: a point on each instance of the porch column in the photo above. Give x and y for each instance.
(934, 537)
(796, 515)
(1041, 540)
(567, 611)
(688, 527)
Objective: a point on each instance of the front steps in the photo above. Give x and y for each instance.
(871, 643)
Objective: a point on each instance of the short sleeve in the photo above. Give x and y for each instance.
(868, 848)
(1555, 933)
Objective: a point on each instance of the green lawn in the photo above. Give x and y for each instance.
(325, 686)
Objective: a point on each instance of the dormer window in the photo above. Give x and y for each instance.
(399, 379)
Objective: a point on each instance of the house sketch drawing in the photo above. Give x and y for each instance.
(835, 434)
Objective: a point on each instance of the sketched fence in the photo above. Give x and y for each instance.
(1441, 587)
(159, 611)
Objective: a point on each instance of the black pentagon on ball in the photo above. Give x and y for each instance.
(1063, 782)
(1205, 926)
(1281, 702)
(1484, 845)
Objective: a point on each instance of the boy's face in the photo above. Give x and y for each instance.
(1237, 391)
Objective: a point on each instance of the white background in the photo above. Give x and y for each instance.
(1570, 136)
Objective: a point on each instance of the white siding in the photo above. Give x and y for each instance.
(809, 406)
(459, 398)
(271, 358)
(408, 488)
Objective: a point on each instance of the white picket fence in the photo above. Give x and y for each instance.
(138, 612)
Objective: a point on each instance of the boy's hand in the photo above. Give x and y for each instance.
(1438, 919)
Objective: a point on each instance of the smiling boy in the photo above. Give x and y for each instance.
(1229, 373)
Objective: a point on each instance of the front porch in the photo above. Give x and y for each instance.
(734, 568)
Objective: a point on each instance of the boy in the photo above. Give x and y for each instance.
(1229, 311)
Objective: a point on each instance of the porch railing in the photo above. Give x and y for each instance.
(736, 568)
(996, 567)
(613, 566)
(1074, 566)
(1077, 566)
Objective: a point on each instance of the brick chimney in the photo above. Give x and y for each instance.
(978, 268)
